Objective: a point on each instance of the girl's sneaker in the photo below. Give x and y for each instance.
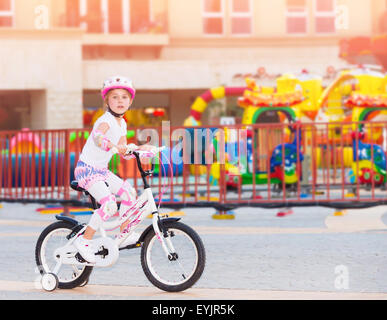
(85, 248)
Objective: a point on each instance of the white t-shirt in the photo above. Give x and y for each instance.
(94, 155)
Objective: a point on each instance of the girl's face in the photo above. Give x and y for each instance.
(119, 100)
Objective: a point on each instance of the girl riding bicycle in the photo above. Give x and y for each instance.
(91, 172)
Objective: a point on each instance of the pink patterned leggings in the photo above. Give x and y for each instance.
(90, 178)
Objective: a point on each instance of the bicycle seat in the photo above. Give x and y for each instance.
(74, 186)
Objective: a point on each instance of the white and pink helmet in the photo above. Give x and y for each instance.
(118, 82)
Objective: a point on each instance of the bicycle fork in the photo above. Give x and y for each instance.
(161, 235)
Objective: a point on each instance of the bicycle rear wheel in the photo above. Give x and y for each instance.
(186, 267)
(51, 238)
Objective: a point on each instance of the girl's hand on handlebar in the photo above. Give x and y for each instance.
(144, 150)
(121, 148)
(124, 149)
(130, 148)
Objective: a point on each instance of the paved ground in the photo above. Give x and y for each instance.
(310, 254)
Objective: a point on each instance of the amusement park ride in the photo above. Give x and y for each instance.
(356, 96)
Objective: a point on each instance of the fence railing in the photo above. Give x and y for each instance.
(340, 165)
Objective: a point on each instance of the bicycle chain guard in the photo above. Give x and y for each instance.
(106, 253)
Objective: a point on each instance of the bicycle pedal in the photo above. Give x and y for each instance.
(80, 258)
(103, 252)
(131, 246)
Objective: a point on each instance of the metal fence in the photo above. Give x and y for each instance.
(340, 165)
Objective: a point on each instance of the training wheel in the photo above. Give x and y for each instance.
(49, 282)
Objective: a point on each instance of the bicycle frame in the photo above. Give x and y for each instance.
(147, 198)
(143, 206)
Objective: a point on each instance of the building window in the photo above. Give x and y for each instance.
(140, 16)
(127, 16)
(116, 16)
(324, 16)
(85, 13)
(6, 13)
(241, 17)
(94, 16)
(213, 17)
(72, 13)
(296, 17)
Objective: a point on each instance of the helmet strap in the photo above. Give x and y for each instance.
(115, 114)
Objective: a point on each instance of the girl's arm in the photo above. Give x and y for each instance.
(125, 150)
(99, 137)
(121, 146)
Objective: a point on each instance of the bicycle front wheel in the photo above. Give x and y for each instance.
(187, 265)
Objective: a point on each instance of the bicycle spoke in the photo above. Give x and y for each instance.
(182, 269)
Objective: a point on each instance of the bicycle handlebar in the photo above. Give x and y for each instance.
(137, 154)
(141, 152)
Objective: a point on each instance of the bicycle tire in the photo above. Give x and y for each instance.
(83, 276)
(200, 251)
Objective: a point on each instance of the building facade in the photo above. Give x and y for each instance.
(55, 54)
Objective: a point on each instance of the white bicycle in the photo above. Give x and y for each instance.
(172, 253)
